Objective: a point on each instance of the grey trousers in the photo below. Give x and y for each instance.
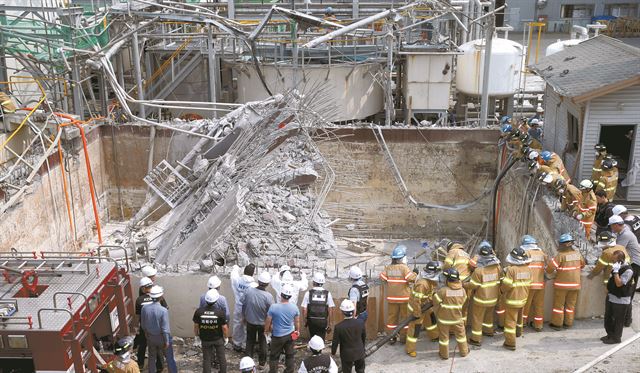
(155, 347)
(211, 349)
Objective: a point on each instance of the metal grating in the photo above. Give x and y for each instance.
(167, 182)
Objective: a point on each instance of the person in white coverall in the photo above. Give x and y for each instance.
(239, 284)
(284, 276)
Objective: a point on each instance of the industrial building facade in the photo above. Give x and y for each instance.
(561, 15)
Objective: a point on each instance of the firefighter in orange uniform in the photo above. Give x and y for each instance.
(608, 180)
(601, 153)
(448, 302)
(422, 292)
(566, 286)
(459, 259)
(586, 206)
(534, 309)
(569, 196)
(485, 290)
(553, 160)
(515, 287)
(398, 276)
(607, 242)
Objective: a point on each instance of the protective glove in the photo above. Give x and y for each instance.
(615, 268)
(197, 342)
(579, 216)
(415, 270)
(267, 336)
(226, 341)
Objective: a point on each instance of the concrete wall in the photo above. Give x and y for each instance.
(40, 222)
(126, 163)
(546, 226)
(365, 193)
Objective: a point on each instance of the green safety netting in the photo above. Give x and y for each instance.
(44, 41)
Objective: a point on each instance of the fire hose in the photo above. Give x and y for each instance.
(369, 350)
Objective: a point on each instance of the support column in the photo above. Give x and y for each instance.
(356, 9)
(213, 71)
(484, 101)
(77, 91)
(135, 57)
(231, 9)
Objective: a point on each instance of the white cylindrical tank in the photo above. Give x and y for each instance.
(504, 73)
(561, 45)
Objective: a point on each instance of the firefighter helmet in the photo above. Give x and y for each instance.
(528, 240)
(399, 252)
(123, 345)
(566, 237)
(519, 254)
(546, 155)
(451, 274)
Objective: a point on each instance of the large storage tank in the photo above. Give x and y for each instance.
(504, 73)
(561, 45)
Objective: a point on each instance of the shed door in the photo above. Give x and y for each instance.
(619, 140)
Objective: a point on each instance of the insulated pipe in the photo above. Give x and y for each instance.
(579, 30)
(363, 22)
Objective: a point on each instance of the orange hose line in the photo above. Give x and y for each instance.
(92, 188)
(64, 187)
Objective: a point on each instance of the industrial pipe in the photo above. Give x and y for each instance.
(363, 22)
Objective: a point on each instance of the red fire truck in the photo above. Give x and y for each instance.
(59, 312)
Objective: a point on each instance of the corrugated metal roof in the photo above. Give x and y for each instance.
(595, 63)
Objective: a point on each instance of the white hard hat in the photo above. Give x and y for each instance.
(283, 268)
(287, 276)
(318, 278)
(534, 121)
(264, 277)
(586, 184)
(539, 109)
(316, 343)
(149, 271)
(247, 364)
(618, 209)
(212, 296)
(347, 306)
(355, 273)
(287, 290)
(156, 292)
(214, 282)
(615, 219)
(145, 281)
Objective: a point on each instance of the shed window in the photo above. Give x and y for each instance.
(573, 133)
(576, 11)
(621, 10)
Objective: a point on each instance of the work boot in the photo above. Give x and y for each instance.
(412, 353)
(611, 341)
(555, 327)
(393, 341)
(509, 347)
(488, 334)
(565, 326)
(474, 343)
(604, 338)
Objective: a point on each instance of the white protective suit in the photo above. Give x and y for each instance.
(239, 284)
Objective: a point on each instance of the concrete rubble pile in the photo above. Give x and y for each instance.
(250, 197)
